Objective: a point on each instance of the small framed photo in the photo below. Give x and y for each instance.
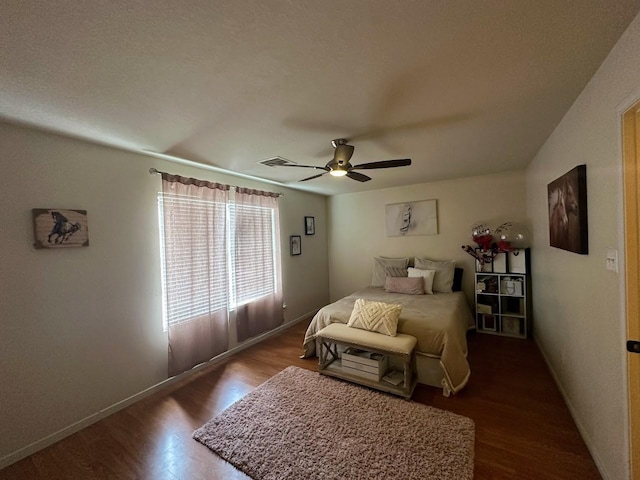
(489, 323)
(295, 243)
(309, 225)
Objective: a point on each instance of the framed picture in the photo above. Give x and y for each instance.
(489, 323)
(295, 244)
(60, 228)
(309, 225)
(411, 218)
(567, 199)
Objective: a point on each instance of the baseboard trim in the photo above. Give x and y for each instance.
(110, 410)
(574, 415)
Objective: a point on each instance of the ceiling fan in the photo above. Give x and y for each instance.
(339, 166)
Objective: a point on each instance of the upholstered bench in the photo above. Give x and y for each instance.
(401, 346)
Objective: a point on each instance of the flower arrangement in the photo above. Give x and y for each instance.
(507, 237)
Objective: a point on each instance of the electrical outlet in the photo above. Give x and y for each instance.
(611, 260)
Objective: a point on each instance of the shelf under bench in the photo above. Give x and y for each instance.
(401, 346)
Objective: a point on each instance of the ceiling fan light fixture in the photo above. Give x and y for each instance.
(340, 166)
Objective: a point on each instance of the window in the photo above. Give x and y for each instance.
(252, 253)
(220, 250)
(208, 266)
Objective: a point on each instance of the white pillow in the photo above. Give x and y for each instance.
(428, 276)
(443, 281)
(380, 263)
(375, 316)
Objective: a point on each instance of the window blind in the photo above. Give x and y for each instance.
(194, 257)
(254, 243)
(203, 270)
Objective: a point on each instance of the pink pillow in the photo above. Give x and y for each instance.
(407, 285)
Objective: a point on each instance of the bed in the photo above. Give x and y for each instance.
(439, 322)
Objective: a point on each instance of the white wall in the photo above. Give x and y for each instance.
(357, 229)
(579, 315)
(81, 328)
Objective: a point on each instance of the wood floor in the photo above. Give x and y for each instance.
(523, 428)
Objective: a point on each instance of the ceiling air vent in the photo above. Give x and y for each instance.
(276, 162)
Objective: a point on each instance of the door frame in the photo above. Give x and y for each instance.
(631, 184)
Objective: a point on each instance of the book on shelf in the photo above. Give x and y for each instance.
(394, 377)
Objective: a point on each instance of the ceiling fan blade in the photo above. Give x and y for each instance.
(358, 176)
(311, 178)
(403, 162)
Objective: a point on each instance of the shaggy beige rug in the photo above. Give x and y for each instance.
(301, 425)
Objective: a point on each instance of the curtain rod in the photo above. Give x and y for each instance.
(155, 171)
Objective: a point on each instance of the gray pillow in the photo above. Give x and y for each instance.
(379, 265)
(396, 272)
(443, 281)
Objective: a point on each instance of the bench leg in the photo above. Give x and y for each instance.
(327, 348)
(407, 375)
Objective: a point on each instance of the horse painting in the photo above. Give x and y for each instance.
(62, 228)
(59, 228)
(567, 200)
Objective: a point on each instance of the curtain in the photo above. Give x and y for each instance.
(195, 270)
(256, 262)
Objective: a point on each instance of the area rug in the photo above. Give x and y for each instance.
(302, 425)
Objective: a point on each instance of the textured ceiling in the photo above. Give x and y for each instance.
(460, 87)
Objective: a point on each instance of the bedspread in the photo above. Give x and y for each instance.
(439, 322)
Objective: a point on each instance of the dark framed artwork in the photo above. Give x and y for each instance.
(309, 226)
(295, 244)
(60, 228)
(567, 201)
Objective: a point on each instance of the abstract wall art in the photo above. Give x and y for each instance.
(412, 218)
